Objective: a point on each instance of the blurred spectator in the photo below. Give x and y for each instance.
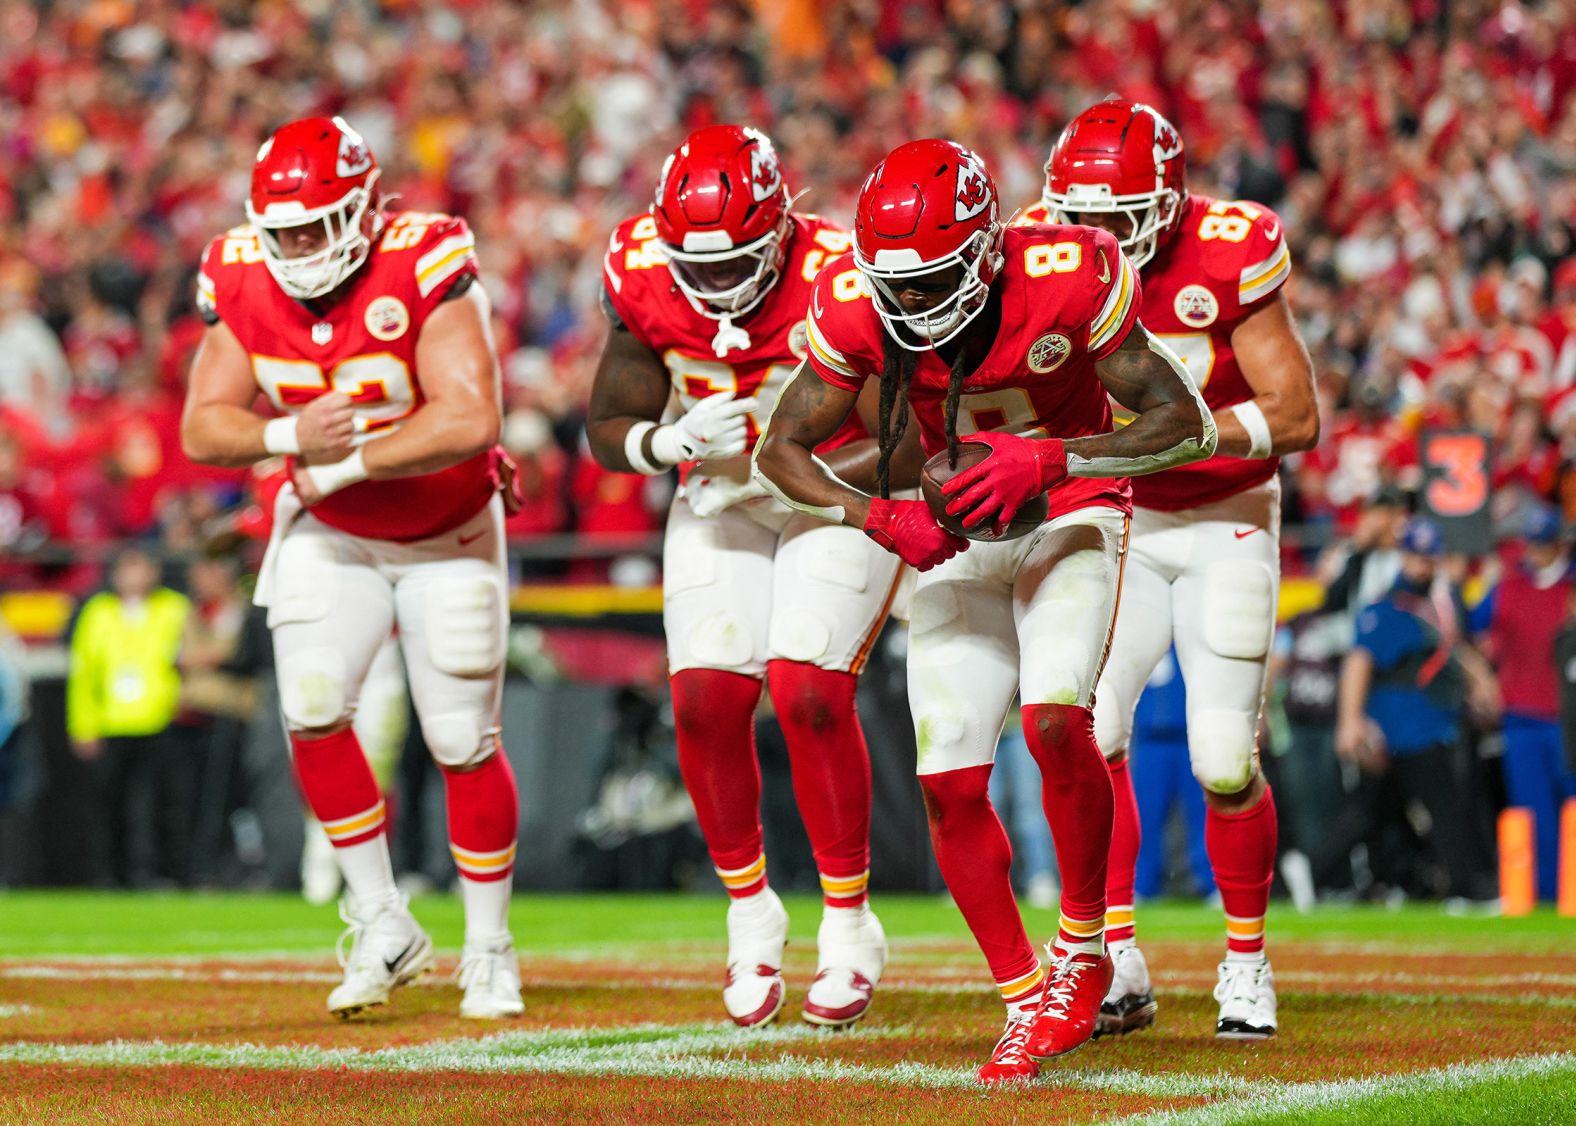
(1362, 570)
(19, 774)
(34, 373)
(1526, 612)
(1163, 781)
(1400, 711)
(1307, 665)
(122, 692)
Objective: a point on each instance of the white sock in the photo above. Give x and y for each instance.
(752, 908)
(486, 910)
(1249, 957)
(369, 874)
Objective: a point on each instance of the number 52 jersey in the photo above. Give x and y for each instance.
(362, 343)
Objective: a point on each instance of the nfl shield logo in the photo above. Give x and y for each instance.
(322, 333)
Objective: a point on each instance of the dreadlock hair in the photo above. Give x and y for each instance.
(954, 395)
(897, 373)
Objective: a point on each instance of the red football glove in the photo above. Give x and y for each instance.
(1017, 469)
(908, 530)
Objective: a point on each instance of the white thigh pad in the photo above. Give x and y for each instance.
(312, 688)
(465, 616)
(689, 558)
(457, 739)
(1239, 608)
(839, 561)
(1221, 746)
(305, 579)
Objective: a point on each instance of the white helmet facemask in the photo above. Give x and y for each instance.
(346, 245)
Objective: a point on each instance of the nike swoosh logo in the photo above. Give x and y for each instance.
(472, 538)
(615, 245)
(1271, 231)
(1244, 533)
(393, 964)
(815, 301)
(1105, 269)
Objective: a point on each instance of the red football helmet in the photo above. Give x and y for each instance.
(722, 218)
(316, 170)
(929, 205)
(1119, 157)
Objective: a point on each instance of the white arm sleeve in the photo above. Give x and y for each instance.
(1184, 452)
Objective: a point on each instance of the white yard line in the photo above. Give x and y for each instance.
(1289, 1097)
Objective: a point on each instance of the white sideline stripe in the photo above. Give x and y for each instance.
(16, 1010)
(1283, 1098)
(648, 1051)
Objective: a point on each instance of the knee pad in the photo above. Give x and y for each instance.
(800, 633)
(951, 735)
(1113, 722)
(1239, 608)
(1058, 674)
(1221, 744)
(457, 740)
(465, 625)
(721, 639)
(312, 689)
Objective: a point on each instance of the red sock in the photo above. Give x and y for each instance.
(484, 819)
(1122, 867)
(1241, 849)
(714, 713)
(975, 859)
(1076, 789)
(831, 772)
(339, 786)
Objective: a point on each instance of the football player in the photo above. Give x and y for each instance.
(1204, 565)
(1012, 339)
(707, 296)
(367, 334)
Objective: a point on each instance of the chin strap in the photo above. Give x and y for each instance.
(729, 337)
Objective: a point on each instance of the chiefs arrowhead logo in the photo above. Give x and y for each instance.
(1168, 142)
(973, 195)
(766, 176)
(354, 156)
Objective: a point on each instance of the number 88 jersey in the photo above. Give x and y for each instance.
(639, 293)
(363, 343)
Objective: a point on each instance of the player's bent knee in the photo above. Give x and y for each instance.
(1239, 608)
(458, 741)
(465, 635)
(1221, 743)
(951, 736)
(721, 639)
(800, 633)
(312, 689)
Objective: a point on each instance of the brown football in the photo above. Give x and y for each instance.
(937, 473)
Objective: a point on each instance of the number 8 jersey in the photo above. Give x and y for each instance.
(363, 343)
(639, 293)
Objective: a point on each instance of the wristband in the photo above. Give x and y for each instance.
(1251, 415)
(331, 478)
(280, 437)
(634, 452)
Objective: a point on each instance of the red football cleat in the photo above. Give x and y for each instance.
(1010, 1060)
(1066, 1017)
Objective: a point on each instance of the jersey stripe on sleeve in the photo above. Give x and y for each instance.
(443, 261)
(1262, 279)
(1108, 322)
(825, 354)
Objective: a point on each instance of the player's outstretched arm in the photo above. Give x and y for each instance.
(462, 409)
(809, 412)
(1283, 415)
(1173, 426)
(219, 427)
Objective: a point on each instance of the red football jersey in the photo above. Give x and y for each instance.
(1069, 297)
(643, 295)
(362, 343)
(1225, 259)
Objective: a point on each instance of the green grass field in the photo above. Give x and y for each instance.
(208, 1008)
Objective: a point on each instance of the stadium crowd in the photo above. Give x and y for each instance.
(1420, 153)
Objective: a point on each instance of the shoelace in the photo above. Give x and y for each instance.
(1241, 983)
(1059, 990)
(354, 930)
(1012, 1048)
(475, 968)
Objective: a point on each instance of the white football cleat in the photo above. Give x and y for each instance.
(853, 952)
(490, 976)
(1130, 1002)
(1246, 992)
(388, 949)
(753, 991)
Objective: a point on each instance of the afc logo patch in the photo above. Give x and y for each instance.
(799, 340)
(387, 318)
(1196, 306)
(1049, 352)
